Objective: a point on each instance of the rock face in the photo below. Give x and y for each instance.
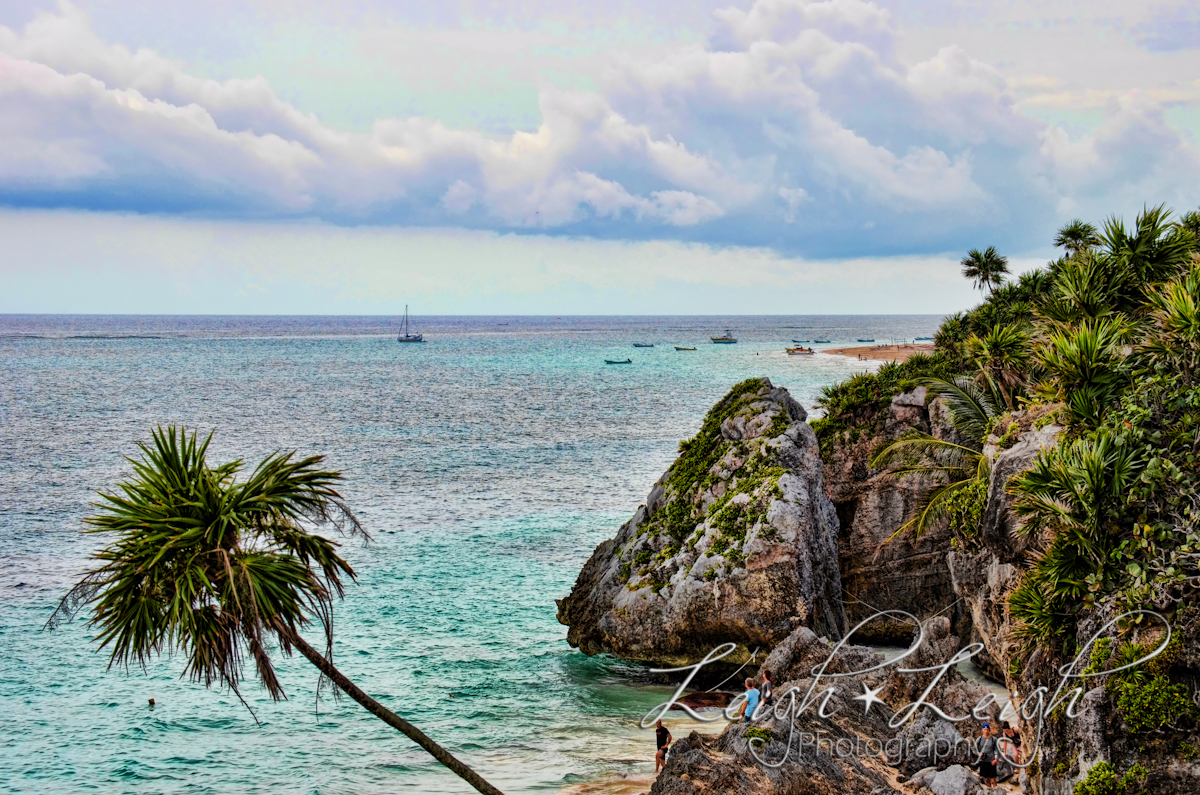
(904, 574)
(737, 542)
(848, 752)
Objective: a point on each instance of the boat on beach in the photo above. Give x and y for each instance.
(725, 339)
(800, 351)
(404, 336)
(683, 349)
(618, 361)
(643, 344)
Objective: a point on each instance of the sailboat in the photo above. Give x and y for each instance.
(404, 336)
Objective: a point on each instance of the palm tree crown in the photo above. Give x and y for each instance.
(985, 268)
(1077, 236)
(215, 569)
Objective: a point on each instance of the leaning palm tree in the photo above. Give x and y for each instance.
(956, 466)
(217, 568)
(985, 268)
(1077, 236)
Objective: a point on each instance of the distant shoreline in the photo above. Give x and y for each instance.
(883, 353)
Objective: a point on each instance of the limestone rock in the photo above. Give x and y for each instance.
(905, 574)
(737, 542)
(954, 780)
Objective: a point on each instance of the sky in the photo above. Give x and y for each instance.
(778, 156)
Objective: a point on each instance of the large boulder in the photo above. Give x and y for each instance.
(737, 542)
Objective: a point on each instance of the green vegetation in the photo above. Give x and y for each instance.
(219, 569)
(1102, 779)
(754, 732)
(859, 405)
(1144, 695)
(694, 473)
(1104, 341)
(962, 469)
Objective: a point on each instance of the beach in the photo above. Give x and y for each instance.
(883, 353)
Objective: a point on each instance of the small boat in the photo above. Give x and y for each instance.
(725, 339)
(800, 351)
(871, 340)
(923, 339)
(683, 349)
(800, 342)
(823, 342)
(404, 336)
(643, 344)
(618, 361)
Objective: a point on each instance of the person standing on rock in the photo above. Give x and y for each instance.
(767, 688)
(752, 699)
(663, 735)
(989, 754)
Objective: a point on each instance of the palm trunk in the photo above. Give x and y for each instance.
(391, 718)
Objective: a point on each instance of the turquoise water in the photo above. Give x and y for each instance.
(487, 464)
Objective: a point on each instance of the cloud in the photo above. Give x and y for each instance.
(795, 125)
(1171, 29)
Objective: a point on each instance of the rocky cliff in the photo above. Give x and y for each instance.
(1131, 735)
(737, 542)
(905, 574)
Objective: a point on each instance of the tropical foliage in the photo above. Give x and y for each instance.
(1106, 341)
(219, 569)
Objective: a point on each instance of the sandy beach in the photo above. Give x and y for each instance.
(884, 353)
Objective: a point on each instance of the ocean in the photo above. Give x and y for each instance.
(487, 463)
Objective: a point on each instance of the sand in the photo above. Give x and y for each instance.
(884, 353)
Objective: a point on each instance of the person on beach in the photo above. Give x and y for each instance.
(752, 699)
(989, 754)
(663, 735)
(767, 688)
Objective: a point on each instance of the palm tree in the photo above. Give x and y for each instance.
(1084, 363)
(215, 569)
(1002, 356)
(1174, 344)
(1155, 251)
(985, 268)
(1077, 236)
(1076, 495)
(958, 466)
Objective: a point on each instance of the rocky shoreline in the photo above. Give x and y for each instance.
(759, 538)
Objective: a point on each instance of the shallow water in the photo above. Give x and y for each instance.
(487, 464)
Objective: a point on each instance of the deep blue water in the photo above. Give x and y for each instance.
(487, 463)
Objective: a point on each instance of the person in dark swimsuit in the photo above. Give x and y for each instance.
(663, 735)
(1013, 735)
(767, 689)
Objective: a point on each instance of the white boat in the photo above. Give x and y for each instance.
(725, 339)
(800, 351)
(404, 336)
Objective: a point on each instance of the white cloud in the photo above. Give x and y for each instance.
(703, 142)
